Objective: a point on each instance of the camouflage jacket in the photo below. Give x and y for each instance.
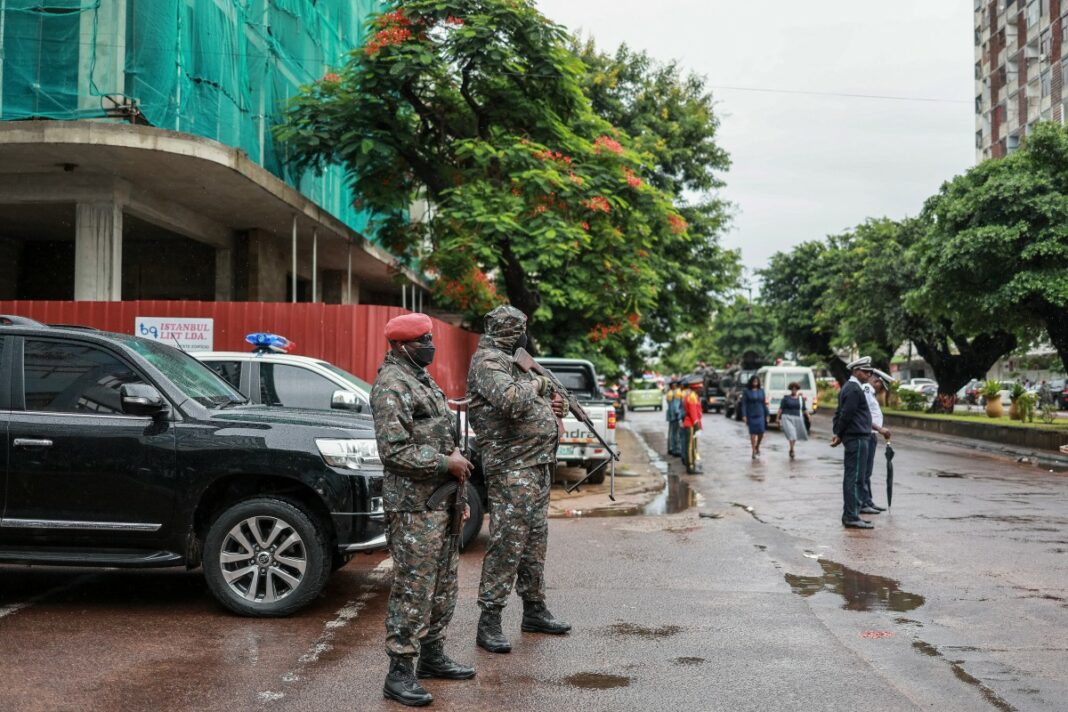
(415, 433)
(515, 425)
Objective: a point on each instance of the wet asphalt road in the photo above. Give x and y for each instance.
(956, 601)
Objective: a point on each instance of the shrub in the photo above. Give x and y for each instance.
(1049, 413)
(912, 400)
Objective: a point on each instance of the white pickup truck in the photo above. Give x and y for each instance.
(578, 446)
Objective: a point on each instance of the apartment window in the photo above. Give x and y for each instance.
(978, 70)
(1044, 5)
(978, 36)
(1064, 72)
(979, 139)
(979, 104)
(1045, 43)
(1034, 13)
(1047, 83)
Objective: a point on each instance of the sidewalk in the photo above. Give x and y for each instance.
(638, 482)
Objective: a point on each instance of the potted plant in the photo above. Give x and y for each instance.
(991, 390)
(1017, 392)
(1025, 407)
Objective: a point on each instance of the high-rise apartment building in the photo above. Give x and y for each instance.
(1020, 76)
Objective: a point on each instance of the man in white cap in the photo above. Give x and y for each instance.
(852, 429)
(876, 384)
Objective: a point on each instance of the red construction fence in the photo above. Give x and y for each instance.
(349, 336)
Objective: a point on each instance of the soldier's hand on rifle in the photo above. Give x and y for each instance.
(559, 405)
(459, 466)
(467, 512)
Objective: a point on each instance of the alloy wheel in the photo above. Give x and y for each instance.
(263, 559)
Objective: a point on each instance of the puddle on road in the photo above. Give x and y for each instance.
(641, 631)
(688, 661)
(597, 681)
(676, 497)
(860, 591)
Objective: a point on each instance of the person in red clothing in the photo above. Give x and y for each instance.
(691, 423)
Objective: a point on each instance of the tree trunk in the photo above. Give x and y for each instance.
(972, 360)
(837, 367)
(1057, 330)
(516, 286)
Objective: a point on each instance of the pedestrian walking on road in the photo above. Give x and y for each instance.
(691, 426)
(875, 386)
(755, 411)
(418, 445)
(852, 429)
(791, 416)
(514, 414)
(674, 417)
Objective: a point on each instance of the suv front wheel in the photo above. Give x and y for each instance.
(266, 557)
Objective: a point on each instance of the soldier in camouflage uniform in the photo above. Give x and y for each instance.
(514, 415)
(417, 442)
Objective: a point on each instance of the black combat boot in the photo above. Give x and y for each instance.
(402, 686)
(490, 636)
(433, 662)
(538, 619)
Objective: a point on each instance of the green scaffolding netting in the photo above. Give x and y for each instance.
(216, 68)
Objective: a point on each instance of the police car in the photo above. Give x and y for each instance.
(267, 375)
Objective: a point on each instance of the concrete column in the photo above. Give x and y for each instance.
(98, 252)
(224, 275)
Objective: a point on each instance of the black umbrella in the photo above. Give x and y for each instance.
(889, 474)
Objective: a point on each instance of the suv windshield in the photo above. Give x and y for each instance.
(361, 384)
(191, 376)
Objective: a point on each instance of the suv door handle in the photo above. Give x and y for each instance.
(31, 442)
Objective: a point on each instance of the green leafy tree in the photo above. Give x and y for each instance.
(796, 287)
(478, 106)
(671, 118)
(884, 263)
(996, 251)
(742, 328)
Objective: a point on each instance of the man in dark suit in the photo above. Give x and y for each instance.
(852, 429)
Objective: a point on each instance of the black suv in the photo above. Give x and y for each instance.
(125, 452)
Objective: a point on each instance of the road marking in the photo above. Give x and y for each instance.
(324, 643)
(12, 608)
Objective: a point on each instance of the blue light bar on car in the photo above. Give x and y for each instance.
(272, 343)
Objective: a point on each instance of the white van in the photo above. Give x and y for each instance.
(775, 379)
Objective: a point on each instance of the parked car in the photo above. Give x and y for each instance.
(282, 380)
(916, 384)
(713, 397)
(1059, 389)
(289, 381)
(775, 380)
(645, 394)
(123, 452)
(578, 446)
(970, 392)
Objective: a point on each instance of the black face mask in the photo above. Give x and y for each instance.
(521, 343)
(421, 355)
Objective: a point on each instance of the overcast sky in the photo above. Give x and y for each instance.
(805, 166)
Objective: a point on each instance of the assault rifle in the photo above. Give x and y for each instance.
(457, 488)
(527, 364)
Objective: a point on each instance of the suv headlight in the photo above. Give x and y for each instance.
(349, 454)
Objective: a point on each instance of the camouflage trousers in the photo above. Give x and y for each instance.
(519, 535)
(423, 596)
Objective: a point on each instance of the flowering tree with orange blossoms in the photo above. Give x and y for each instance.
(477, 106)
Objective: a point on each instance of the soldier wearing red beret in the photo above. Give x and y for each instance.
(417, 441)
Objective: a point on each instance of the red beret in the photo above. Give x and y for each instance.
(408, 327)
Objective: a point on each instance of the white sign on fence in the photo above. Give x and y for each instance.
(188, 334)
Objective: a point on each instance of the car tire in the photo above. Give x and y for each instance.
(599, 477)
(290, 550)
(473, 525)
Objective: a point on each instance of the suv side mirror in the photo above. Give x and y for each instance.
(346, 400)
(141, 399)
